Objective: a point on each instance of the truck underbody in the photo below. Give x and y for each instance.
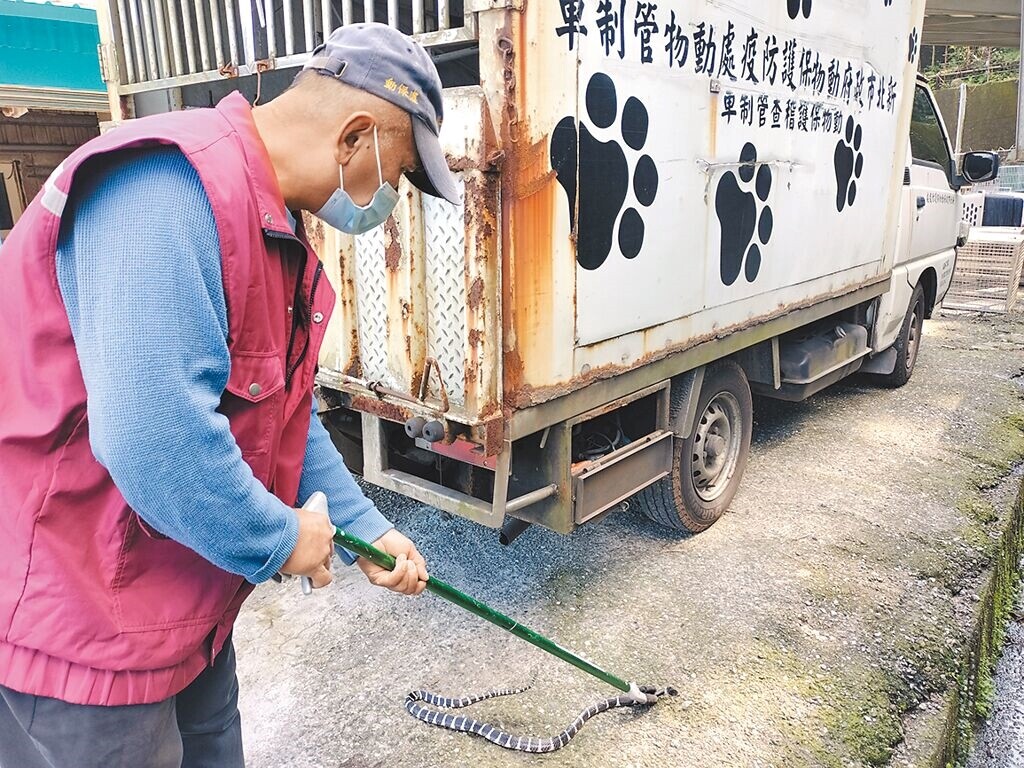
(572, 459)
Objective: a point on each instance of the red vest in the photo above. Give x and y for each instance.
(96, 608)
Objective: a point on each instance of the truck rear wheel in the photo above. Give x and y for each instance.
(709, 464)
(908, 343)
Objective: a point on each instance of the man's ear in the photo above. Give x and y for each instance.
(356, 129)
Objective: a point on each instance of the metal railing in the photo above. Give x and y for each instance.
(160, 44)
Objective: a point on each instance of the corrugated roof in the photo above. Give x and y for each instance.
(49, 46)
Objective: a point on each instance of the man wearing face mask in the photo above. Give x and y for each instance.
(160, 319)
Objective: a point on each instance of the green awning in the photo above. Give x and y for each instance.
(49, 46)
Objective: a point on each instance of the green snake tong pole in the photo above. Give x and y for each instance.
(452, 595)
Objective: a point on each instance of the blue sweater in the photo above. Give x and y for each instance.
(139, 268)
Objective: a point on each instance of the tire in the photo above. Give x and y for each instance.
(683, 502)
(908, 343)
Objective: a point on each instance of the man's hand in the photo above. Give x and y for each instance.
(410, 574)
(313, 550)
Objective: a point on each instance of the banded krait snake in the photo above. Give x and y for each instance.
(415, 705)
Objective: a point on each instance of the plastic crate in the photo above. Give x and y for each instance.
(988, 271)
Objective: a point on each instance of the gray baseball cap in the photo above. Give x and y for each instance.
(387, 63)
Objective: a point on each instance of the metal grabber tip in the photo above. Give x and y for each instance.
(630, 695)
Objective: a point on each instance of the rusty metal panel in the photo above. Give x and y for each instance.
(602, 484)
(445, 239)
(605, 385)
(424, 286)
(392, 297)
(529, 74)
(482, 288)
(340, 351)
(371, 301)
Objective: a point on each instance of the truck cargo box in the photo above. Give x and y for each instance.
(638, 178)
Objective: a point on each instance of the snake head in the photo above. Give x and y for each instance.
(657, 693)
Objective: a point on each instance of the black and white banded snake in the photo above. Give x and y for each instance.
(415, 705)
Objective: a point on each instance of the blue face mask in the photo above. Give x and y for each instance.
(342, 213)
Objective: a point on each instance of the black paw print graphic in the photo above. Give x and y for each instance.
(849, 164)
(914, 42)
(740, 213)
(887, 3)
(796, 7)
(596, 174)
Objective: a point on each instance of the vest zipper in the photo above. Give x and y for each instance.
(305, 345)
(296, 319)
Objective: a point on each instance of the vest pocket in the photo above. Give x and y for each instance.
(161, 584)
(255, 376)
(253, 401)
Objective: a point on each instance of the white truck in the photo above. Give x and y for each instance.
(668, 206)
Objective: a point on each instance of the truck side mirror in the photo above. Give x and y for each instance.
(980, 166)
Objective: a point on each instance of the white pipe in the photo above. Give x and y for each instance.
(961, 113)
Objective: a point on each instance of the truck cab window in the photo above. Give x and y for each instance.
(927, 139)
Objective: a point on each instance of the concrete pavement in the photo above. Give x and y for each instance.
(818, 623)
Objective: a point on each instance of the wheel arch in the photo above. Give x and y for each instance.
(929, 281)
(685, 395)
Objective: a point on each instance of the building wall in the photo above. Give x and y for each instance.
(40, 139)
(990, 122)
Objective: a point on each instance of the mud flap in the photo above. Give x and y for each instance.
(882, 364)
(685, 394)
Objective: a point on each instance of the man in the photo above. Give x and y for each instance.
(160, 320)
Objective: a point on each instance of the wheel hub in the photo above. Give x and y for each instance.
(716, 446)
(714, 453)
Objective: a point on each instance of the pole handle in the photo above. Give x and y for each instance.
(315, 503)
(359, 547)
(382, 559)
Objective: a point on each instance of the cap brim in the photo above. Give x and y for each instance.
(434, 176)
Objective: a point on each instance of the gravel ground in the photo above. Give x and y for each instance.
(798, 629)
(1001, 740)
